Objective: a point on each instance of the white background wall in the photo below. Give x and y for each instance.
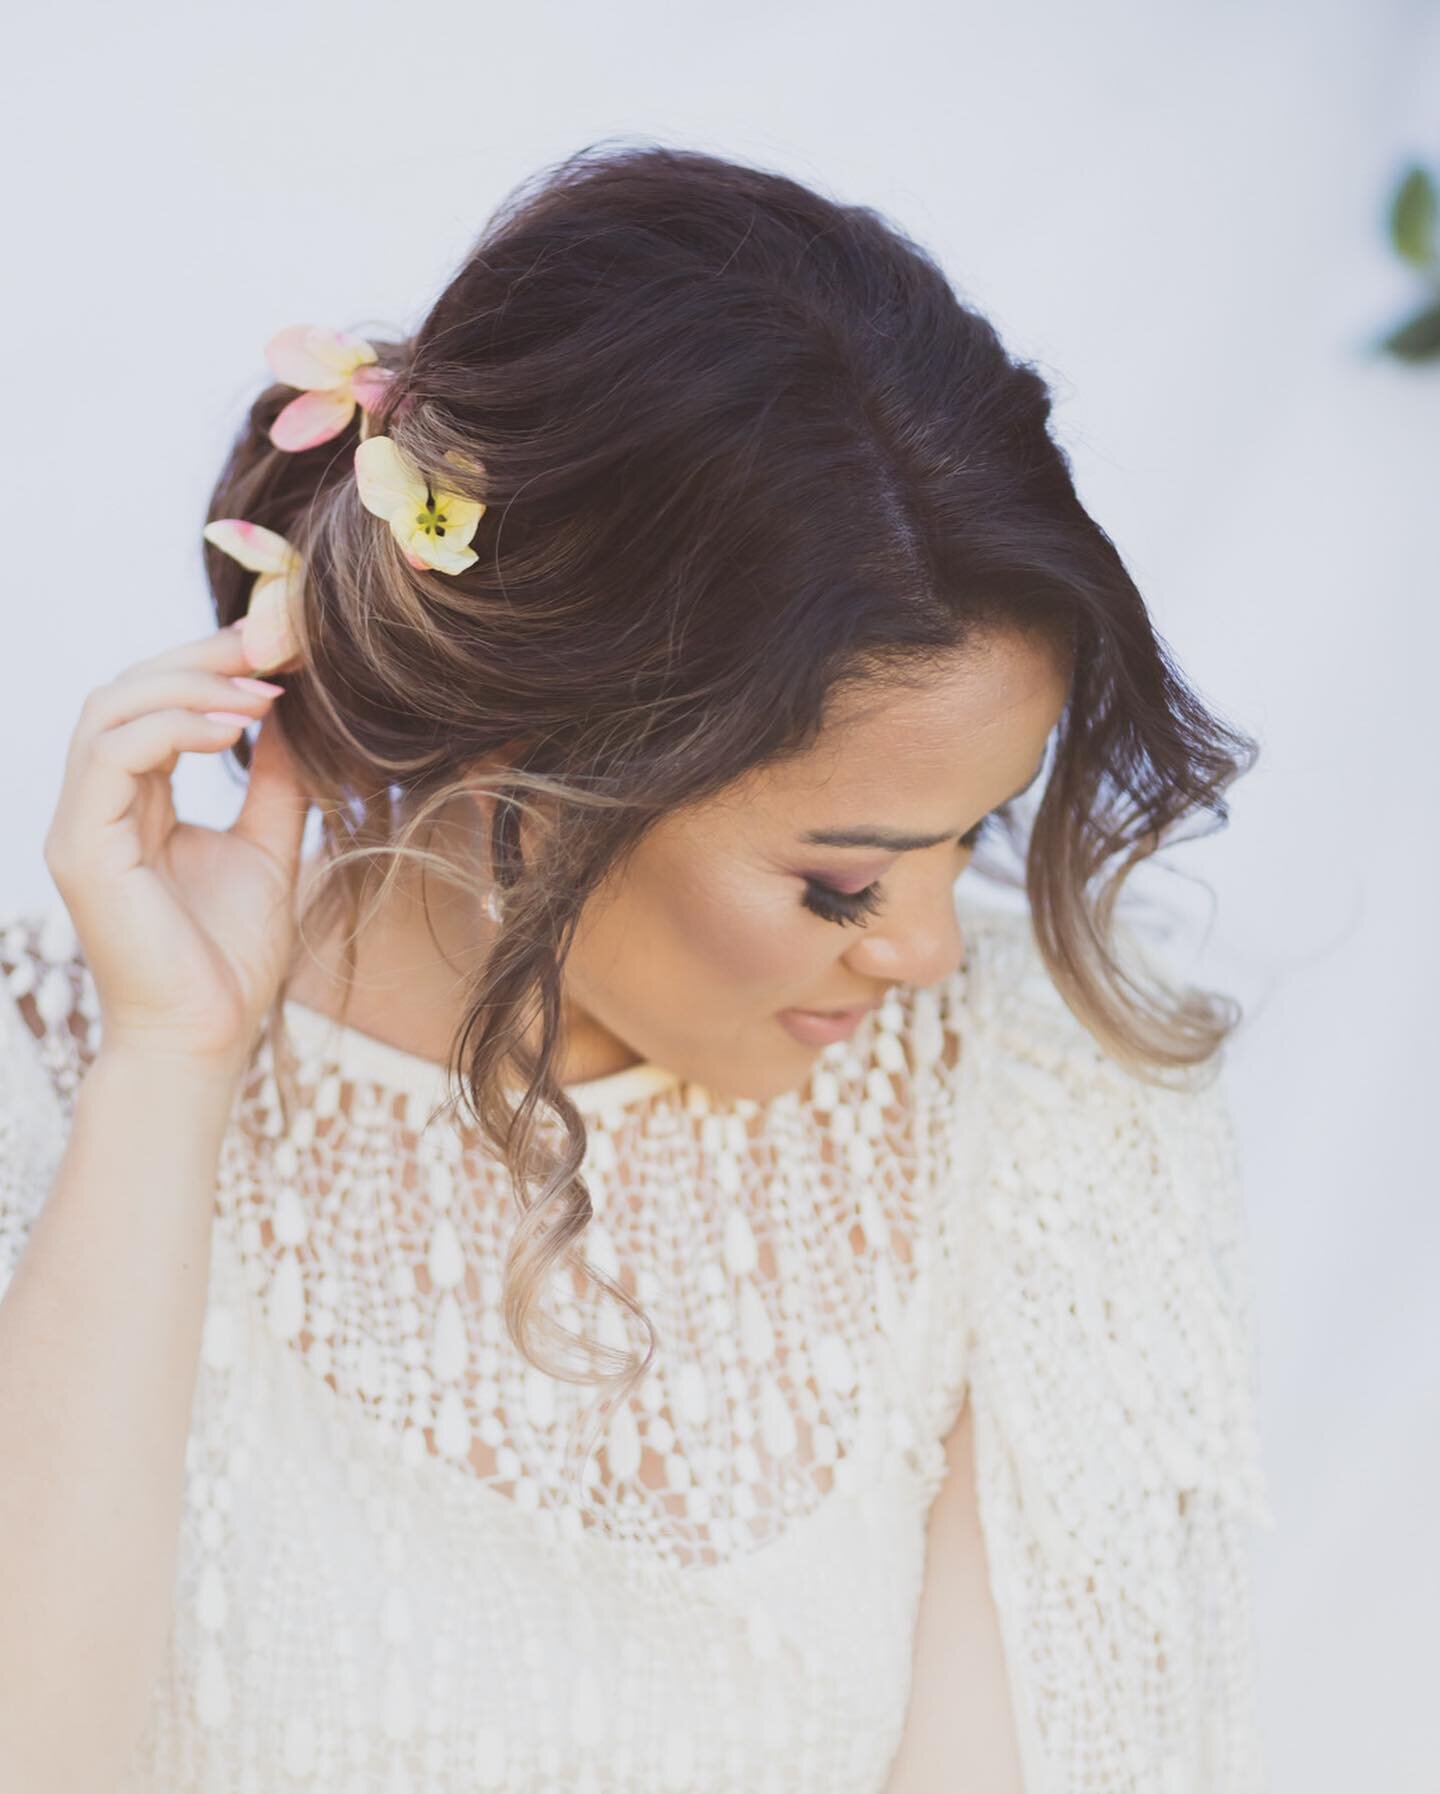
(1176, 209)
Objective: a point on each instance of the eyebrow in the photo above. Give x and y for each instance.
(871, 835)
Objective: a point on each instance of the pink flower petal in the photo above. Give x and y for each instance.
(367, 384)
(259, 549)
(266, 631)
(313, 418)
(340, 350)
(298, 356)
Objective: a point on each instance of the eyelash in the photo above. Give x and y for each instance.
(853, 906)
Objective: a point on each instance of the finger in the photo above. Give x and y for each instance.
(276, 803)
(195, 688)
(102, 785)
(221, 650)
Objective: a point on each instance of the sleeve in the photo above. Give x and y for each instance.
(41, 1055)
(1109, 1362)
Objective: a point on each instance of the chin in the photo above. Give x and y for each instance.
(789, 1070)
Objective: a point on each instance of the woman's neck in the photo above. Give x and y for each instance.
(411, 971)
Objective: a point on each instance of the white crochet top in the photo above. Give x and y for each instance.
(388, 1583)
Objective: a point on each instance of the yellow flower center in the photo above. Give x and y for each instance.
(432, 520)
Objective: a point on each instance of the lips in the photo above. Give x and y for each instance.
(854, 1009)
(819, 1027)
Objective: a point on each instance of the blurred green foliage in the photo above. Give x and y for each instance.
(1414, 229)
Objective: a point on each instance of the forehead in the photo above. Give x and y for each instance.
(964, 733)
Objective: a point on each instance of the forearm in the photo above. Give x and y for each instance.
(99, 1343)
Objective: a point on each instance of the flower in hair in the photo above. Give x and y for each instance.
(267, 629)
(335, 371)
(433, 527)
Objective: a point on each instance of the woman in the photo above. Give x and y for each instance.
(605, 1274)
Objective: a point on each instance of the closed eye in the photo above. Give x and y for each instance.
(854, 906)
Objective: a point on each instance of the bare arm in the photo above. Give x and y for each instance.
(185, 931)
(99, 1344)
(958, 1730)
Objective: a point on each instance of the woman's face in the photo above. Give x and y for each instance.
(730, 914)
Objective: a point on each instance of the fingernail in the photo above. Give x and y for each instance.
(229, 718)
(261, 687)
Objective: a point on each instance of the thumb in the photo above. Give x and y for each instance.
(276, 803)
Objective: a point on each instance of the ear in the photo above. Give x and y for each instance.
(483, 778)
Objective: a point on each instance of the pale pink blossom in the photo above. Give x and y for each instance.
(336, 372)
(268, 629)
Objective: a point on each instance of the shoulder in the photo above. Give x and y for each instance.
(1094, 1237)
(1104, 1235)
(1049, 1077)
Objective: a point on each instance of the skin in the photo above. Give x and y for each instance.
(688, 959)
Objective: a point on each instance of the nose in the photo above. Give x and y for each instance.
(922, 947)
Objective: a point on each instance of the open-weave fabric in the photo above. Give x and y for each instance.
(391, 1583)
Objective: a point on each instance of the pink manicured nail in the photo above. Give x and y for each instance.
(262, 688)
(229, 717)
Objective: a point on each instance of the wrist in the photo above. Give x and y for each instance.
(193, 1086)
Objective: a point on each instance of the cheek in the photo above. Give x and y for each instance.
(748, 932)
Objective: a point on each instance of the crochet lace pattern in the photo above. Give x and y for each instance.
(390, 1584)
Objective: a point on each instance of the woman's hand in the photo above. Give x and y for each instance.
(186, 930)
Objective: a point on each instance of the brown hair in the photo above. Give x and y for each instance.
(741, 446)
